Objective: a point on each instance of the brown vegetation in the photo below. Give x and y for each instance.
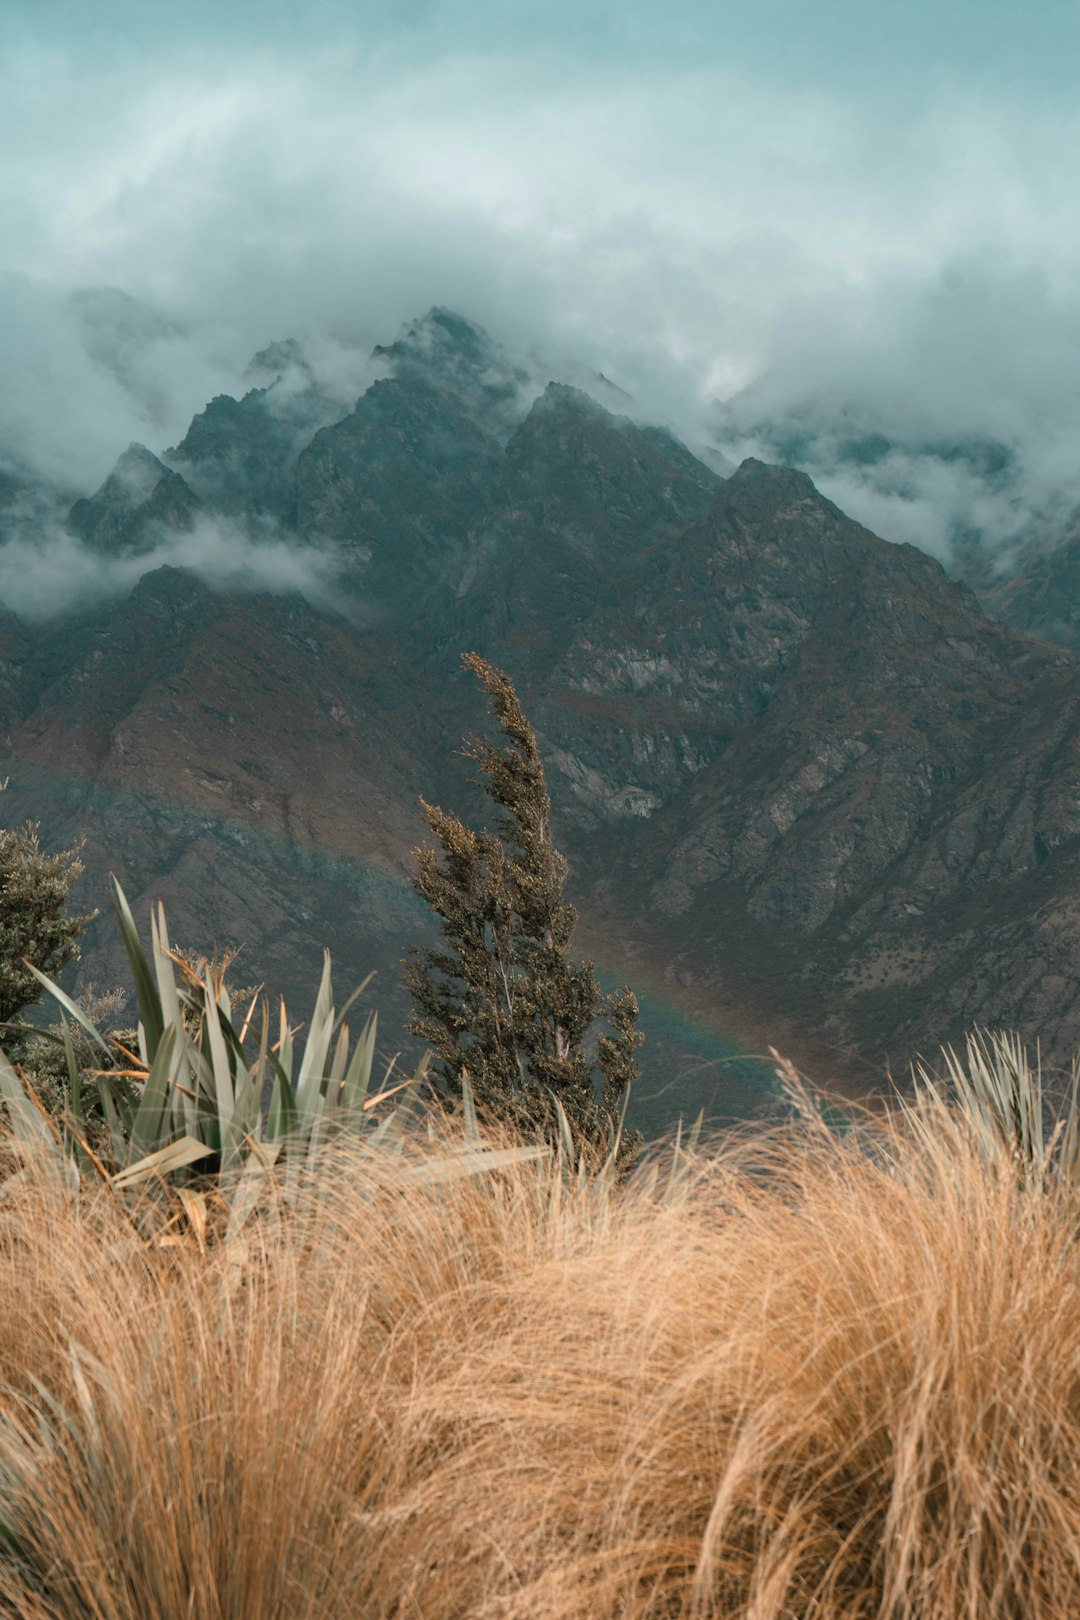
(808, 1377)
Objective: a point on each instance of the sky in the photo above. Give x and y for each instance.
(858, 218)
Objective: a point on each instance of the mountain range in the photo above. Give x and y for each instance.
(815, 792)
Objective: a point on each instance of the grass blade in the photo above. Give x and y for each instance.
(150, 1011)
(149, 1116)
(162, 1162)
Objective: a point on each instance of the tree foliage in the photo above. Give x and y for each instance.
(34, 926)
(502, 1000)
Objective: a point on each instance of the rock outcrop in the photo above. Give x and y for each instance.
(139, 503)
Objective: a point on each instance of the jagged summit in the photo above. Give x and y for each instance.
(752, 467)
(134, 478)
(275, 361)
(613, 479)
(424, 433)
(569, 401)
(450, 352)
(240, 454)
(444, 338)
(140, 502)
(756, 478)
(786, 504)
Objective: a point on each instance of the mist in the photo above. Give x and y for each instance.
(47, 573)
(768, 267)
(936, 410)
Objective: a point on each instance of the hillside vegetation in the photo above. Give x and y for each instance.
(798, 1374)
(285, 1335)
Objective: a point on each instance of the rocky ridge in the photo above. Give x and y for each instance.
(806, 785)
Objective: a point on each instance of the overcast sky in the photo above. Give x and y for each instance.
(838, 206)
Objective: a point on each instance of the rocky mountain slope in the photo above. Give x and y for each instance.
(809, 791)
(988, 504)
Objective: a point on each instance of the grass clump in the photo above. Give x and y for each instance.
(796, 1375)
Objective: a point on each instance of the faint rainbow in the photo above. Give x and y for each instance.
(700, 1067)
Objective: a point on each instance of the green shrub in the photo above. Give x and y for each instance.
(1005, 1098)
(204, 1091)
(503, 1001)
(35, 934)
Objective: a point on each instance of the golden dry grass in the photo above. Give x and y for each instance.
(823, 1379)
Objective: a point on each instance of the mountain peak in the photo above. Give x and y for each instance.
(134, 478)
(446, 352)
(444, 339)
(753, 471)
(140, 499)
(565, 397)
(571, 416)
(274, 361)
(455, 331)
(170, 594)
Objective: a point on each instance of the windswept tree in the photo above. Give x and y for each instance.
(502, 1000)
(34, 924)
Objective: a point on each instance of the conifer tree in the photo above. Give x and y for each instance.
(502, 1000)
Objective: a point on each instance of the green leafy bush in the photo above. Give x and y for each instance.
(206, 1091)
(35, 934)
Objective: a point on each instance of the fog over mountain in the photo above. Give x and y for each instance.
(47, 574)
(869, 270)
(810, 792)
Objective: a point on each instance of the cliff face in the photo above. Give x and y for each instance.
(806, 786)
(1041, 596)
(139, 503)
(840, 768)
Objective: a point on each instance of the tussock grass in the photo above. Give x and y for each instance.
(809, 1379)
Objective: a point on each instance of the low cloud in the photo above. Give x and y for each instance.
(339, 370)
(830, 263)
(46, 574)
(82, 376)
(942, 411)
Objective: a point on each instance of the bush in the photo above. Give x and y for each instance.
(34, 889)
(805, 1376)
(201, 1091)
(40, 1055)
(503, 1001)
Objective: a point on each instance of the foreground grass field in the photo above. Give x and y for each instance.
(806, 1377)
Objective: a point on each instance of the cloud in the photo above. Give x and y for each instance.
(906, 266)
(75, 389)
(338, 370)
(935, 409)
(47, 573)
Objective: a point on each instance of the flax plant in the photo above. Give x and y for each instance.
(1004, 1098)
(205, 1092)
